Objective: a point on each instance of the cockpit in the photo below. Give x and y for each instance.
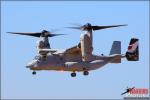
(34, 62)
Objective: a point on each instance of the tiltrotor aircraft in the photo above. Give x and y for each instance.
(78, 58)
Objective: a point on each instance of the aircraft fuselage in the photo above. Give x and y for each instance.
(57, 62)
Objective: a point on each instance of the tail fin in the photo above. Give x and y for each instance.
(132, 53)
(116, 48)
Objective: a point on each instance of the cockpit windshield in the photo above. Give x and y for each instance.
(37, 57)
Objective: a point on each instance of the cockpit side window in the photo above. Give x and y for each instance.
(37, 57)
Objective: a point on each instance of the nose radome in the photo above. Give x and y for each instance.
(31, 64)
(28, 66)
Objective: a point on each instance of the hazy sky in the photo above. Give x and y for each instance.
(105, 83)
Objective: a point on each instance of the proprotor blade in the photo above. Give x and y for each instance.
(75, 27)
(88, 26)
(51, 35)
(29, 34)
(104, 27)
(44, 33)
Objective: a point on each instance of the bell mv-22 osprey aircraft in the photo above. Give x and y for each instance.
(78, 58)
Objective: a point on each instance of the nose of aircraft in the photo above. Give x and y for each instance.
(31, 64)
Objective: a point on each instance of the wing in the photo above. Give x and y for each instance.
(73, 50)
(47, 50)
(73, 53)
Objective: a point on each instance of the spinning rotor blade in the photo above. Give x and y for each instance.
(104, 27)
(44, 33)
(74, 27)
(51, 35)
(88, 26)
(29, 34)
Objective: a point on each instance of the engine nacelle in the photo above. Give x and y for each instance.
(86, 47)
(43, 44)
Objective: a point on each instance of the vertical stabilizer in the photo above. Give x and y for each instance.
(132, 53)
(116, 48)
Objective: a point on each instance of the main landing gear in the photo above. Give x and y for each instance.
(34, 72)
(85, 73)
(73, 74)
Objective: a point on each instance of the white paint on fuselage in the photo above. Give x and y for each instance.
(56, 62)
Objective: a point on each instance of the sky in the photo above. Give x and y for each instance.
(108, 82)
